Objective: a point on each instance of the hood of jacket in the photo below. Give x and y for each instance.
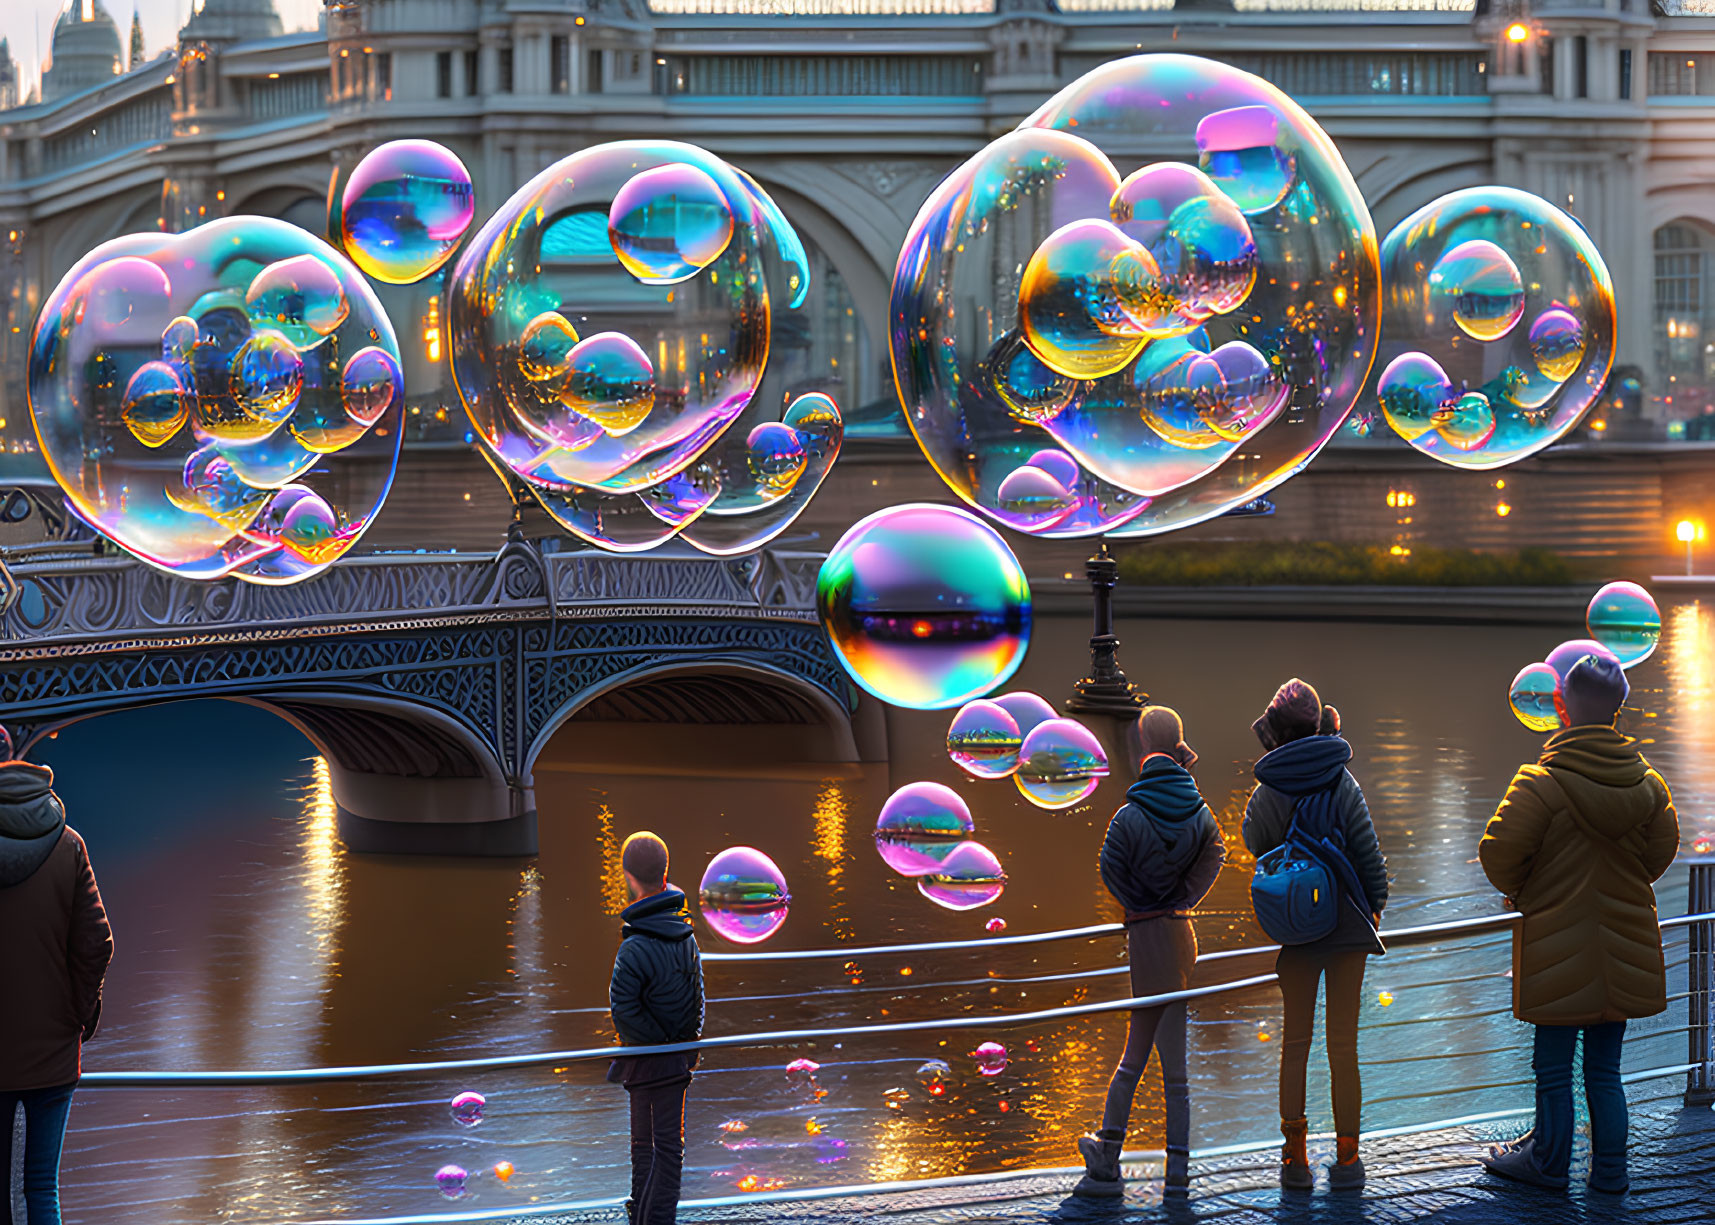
(31, 818)
(1165, 792)
(662, 915)
(1300, 767)
(1603, 774)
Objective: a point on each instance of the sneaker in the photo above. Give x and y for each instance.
(1517, 1161)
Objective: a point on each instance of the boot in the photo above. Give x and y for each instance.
(1295, 1172)
(1101, 1153)
(1176, 1183)
(1347, 1172)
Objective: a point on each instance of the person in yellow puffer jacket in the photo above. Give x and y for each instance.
(1575, 847)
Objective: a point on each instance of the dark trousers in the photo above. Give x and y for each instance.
(1301, 968)
(45, 1112)
(657, 1151)
(1606, 1097)
(1162, 953)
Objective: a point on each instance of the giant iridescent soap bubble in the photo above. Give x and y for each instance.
(1086, 343)
(1060, 763)
(611, 329)
(1498, 326)
(743, 895)
(224, 401)
(919, 826)
(925, 606)
(1624, 618)
(404, 210)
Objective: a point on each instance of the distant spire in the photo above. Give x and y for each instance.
(136, 39)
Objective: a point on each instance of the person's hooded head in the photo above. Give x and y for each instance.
(1159, 730)
(1293, 713)
(1591, 695)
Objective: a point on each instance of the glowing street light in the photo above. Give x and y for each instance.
(1687, 532)
(1517, 32)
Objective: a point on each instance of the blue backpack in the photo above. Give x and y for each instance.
(1297, 887)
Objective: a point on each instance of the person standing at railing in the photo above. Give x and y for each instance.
(1576, 847)
(1161, 855)
(657, 999)
(1302, 774)
(55, 944)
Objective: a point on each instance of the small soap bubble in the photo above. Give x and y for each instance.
(1413, 390)
(1030, 498)
(155, 406)
(300, 298)
(267, 374)
(1563, 657)
(547, 342)
(1466, 423)
(1479, 284)
(1238, 149)
(776, 456)
(178, 338)
(983, 739)
(1069, 309)
(1624, 618)
(610, 381)
(803, 1067)
(310, 529)
(1027, 709)
(1201, 244)
(925, 606)
(995, 925)
(743, 895)
(1060, 763)
(970, 876)
(669, 223)
(1557, 343)
(991, 1058)
(1532, 697)
(1236, 390)
(467, 1108)
(209, 487)
(404, 210)
(933, 1075)
(451, 1180)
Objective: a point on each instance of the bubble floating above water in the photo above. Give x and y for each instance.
(743, 895)
(969, 877)
(1532, 697)
(983, 740)
(995, 925)
(803, 1067)
(1039, 298)
(405, 208)
(1565, 656)
(919, 826)
(180, 382)
(1060, 763)
(669, 223)
(467, 1108)
(1027, 709)
(991, 1058)
(1461, 278)
(451, 1180)
(925, 606)
(1624, 618)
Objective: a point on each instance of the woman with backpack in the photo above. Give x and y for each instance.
(1161, 855)
(1305, 794)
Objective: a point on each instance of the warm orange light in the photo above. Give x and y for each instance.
(1517, 32)
(1687, 531)
(921, 629)
(1502, 510)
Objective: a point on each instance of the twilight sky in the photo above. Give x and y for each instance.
(29, 24)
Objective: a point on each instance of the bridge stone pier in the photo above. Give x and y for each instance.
(431, 682)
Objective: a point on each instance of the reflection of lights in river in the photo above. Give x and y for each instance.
(614, 897)
(1687, 755)
(324, 859)
(828, 843)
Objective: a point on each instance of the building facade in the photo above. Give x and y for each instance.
(850, 111)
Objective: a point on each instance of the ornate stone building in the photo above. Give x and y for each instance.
(849, 111)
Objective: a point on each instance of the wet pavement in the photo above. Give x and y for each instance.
(1420, 1177)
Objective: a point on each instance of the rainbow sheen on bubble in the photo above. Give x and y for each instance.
(969, 877)
(1531, 696)
(1506, 297)
(925, 606)
(991, 1058)
(1027, 709)
(1060, 763)
(467, 1108)
(983, 740)
(1040, 302)
(404, 210)
(1565, 656)
(451, 1179)
(1624, 618)
(180, 383)
(668, 223)
(743, 895)
(919, 826)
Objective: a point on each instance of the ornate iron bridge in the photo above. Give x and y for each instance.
(430, 682)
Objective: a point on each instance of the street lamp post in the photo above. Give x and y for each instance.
(1105, 691)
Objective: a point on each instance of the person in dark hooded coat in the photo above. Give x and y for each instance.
(1305, 759)
(55, 944)
(1160, 858)
(656, 998)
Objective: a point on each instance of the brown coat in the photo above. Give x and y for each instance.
(55, 942)
(1576, 845)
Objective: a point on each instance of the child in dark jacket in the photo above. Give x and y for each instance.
(1161, 855)
(657, 999)
(1306, 757)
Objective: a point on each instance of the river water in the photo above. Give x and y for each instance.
(248, 938)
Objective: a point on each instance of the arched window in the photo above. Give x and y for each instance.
(1684, 322)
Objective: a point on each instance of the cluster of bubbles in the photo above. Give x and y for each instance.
(1082, 351)
(743, 895)
(1625, 627)
(1055, 762)
(225, 401)
(924, 833)
(611, 329)
(1497, 325)
(451, 1179)
(925, 606)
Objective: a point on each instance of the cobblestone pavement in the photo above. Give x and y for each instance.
(1428, 1177)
